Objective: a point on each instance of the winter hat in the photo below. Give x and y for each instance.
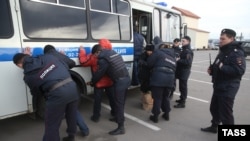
(149, 47)
(105, 44)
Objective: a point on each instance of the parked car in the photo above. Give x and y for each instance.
(246, 47)
(213, 44)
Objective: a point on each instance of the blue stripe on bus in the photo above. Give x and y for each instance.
(6, 54)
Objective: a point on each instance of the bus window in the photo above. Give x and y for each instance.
(156, 20)
(78, 3)
(6, 29)
(110, 23)
(53, 21)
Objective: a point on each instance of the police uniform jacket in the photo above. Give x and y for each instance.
(110, 63)
(163, 64)
(42, 72)
(227, 78)
(184, 64)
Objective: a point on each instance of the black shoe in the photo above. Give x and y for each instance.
(180, 105)
(69, 138)
(86, 133)
(179, 101)
(112, 119)
(165, 116)
(95, 119)
(210, 129)
(154, 119)
(117, 131)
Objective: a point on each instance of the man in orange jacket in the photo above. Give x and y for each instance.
(105, 84)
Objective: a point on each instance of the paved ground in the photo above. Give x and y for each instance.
(184, 124)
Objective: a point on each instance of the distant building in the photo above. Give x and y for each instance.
(199, 37)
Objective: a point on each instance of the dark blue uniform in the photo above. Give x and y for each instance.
(183, 70)
(177, 51)
(138, 49)
(226, 82)
(144, 73)
(112, 64)
(163, 64)
(44, 73)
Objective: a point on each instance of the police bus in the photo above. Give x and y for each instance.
(67, 24)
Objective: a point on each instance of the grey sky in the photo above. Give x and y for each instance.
(218, 14)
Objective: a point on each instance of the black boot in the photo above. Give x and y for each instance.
(69, 138)
(179, 101)
(166, 116)
(211, 129)
(180, 105)
(154, 118)
(118, 131)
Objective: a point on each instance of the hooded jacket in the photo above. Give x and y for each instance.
(90, 60)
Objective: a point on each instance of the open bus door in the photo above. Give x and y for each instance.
(142, 21)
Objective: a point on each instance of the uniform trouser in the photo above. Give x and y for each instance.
(173, 89)
(81, 123)
(53, 117)
(121, 88)
(183, 89)
(98, 92)
(221, 109)
(161, 100)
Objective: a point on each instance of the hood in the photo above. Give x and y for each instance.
(157, 41)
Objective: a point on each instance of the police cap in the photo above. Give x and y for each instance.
(228, 32)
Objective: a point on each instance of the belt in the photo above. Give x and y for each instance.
(163, 68)
(61, 83)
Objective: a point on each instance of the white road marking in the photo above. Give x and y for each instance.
(153, 127)
(194, 98)
(207, 74)
(201, 81)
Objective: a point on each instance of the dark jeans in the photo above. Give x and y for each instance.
(221, 109)
(53, 118)
(98, 92)
(161, 100)
(81, 123)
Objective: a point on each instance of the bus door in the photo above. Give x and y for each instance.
(14, 99)
(143, 22)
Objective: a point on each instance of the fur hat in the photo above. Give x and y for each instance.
(149, 47)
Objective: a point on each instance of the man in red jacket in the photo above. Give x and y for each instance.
(105, 84)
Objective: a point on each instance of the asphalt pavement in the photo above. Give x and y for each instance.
(184, 123)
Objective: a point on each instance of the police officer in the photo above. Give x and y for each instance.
(112, 64)
(47, 74)
(49, 49)
(177, 51)
(163, 64)
(183, 69)
(226, 72)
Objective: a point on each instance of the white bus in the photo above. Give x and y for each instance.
(67, 24)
